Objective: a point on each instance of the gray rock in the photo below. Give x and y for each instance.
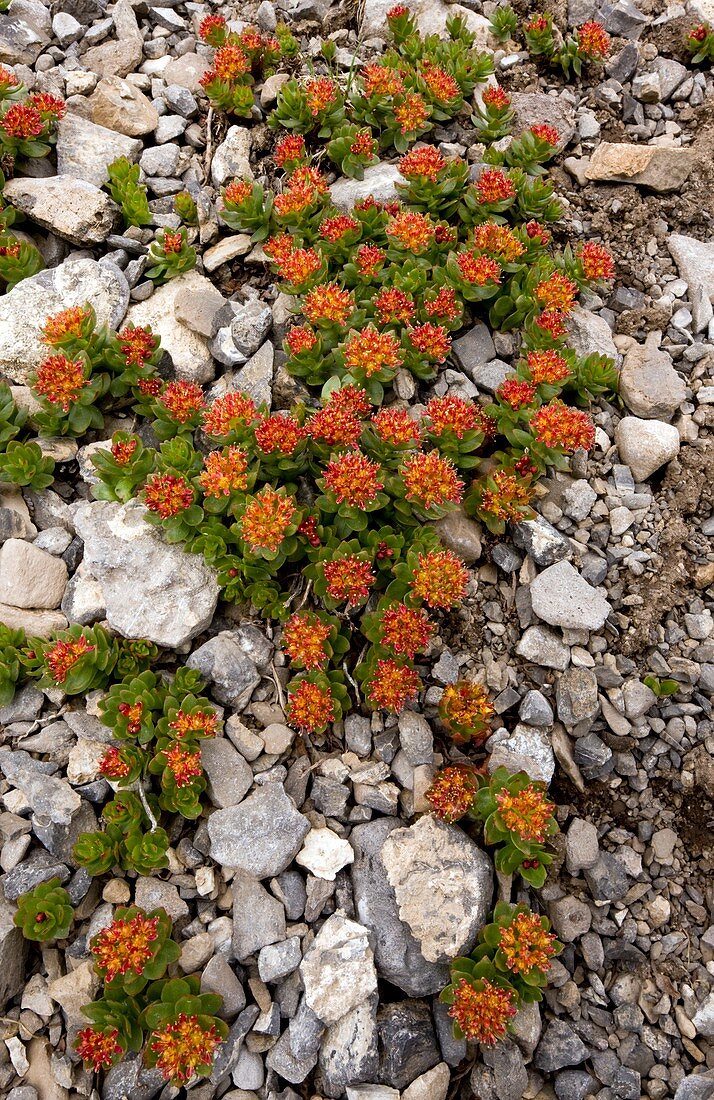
(576, 695)
(559, 1047)
(277, 960)
(229, 775)
(508, 1072)
(296, 1051)
(695, 262)
(121, 56)
(180, 99)
(407, 1041)
(461, 534)
(581, 846)
(574, 1084)
(535, 108)
(30, 577)
(261, 835)
(154, 893)
(338, 970)
(593, 756)
(160, 160)
(48, 797)
(187, 71)
(490, 376)
(70, 208)
(623, 18)
(649, 384)
(656, 167)
(578, 500)
(379, 180)
(231, 159)
(120, 105)
(251, 325)
(24, 32)
(562, 598)
(646, 445)
(544, 647)
(535, 710)
(416, 738)
(23, 311)
(258, 917)
(607, 878)
(151, 589)
(474, 349)
(188, 349)
(588, 333)
(218, 977)
(348, 1052)
(84, 150)
(442, 883)
(83, 601)
(256, 377)
(526, 749)
(432, 1085)
(543, 542)
(233, 675)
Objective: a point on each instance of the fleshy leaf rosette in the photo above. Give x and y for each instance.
(45, 913)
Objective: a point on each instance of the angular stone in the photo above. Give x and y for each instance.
(231, 159)
(646, 445)
(338, 970)
(154, 893)
(576, 695)
(589, 334)
(24, 32)
(13, 949)
(151, 589)
(527, 749)
(258, 917)
(559, 1047)
(84, 150)
(474, 348)
(47, 796)
(121, 56)
(581, 846)
(261, 835)
(544, 647)
(535, 109)
(432, 1085)
(30, 577)
(348, 1053)
(407, 1040)
(324, 854)
(233, 675)
(256, 377)
(650, 386)
(695, 261)
(187, 71)
(24, 310)
(120, 106)
(250, 326)
(443, 885)
(541, 541)
(188, 349)
(229, 775)
(656, 167)
(379, 180)
(562, 598)
(461, 534)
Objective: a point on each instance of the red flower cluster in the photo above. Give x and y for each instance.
(304, 637)
(392, 685)
(406, 630)
(168, 495)
(60, 380)
(439, 579)
(593, 41)
(185, 766)
(310, 707)
(348, 578)
(22, 121)
(183, 1046)
(266, 519)
(482, 1014)
(372, 351)
(451, 794)
(63, 656)
(280, 433)
(494, 186)
(353, 479)
(426, 162)
(125, 945)
(182, 400)
(320, 93)
(227, 413)
(560, 425)
(431, 480)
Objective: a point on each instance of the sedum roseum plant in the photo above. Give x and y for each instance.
(45, 912)
(27, 121)
(239, 59)
(588, 44)
(700, 43)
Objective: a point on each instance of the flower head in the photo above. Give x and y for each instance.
(482, 1010)
(211, 27)
(394, 306)
(182, 400)
(392, 685)
(320, 93)
(234, 410)
(430, 340)
(184, 765)
(431, 480)
(466, 709)
(194, 723)
(406, 630)
(299, 339)
(335, 425)
(113, 765)
(441, 84)
(498, 240)
(453, 414)
(351, 397)
(372, 351)
(412, 231)
(332, 229)
(363, 144)
(700, 32)
(411, 113)
(224, 472)
(353, 479)
(526, 944)
(509, 497)
(451, 795)
(425, 162)
(552, 321)
(597, 261)
(132, 712)
(440, 578)
(230, 62)
(379, 80)
(299, 265)
(69, 322)
(547, 366)
(349, 578)
(99, 1049)
(60, 380)
(478, 270)
(493, 186)
(290, 150)
(526, 813)
(515, 393)
(304, 637)
(308, 175)
(280, 432)
(557, 292)
(496, 97)
(125, 945)
(238, 191)
(8, 79)
(538, 23)
(396, 426)
(546, 133)
(22, 121)
(328, 304)
(444, 304)
(593, 41)
(311, 707)
(50, 106)
(297, 197)
(172, 243)
(137, 345)
(369, 259)
(560, 425)
(183, 1046)
(266, 519)
(63, 656)
(168, 495)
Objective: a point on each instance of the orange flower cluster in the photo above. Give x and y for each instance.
(310, 707)
(552, 321)
(332, 229)
(478, 270)
(392, 685)
(498, 240)
(510, 496)
(184, 765)
(431, 340)
(137, 345)
(493, 186)
(280, 433)
(197, 723)
(406, 630)
(411, 113)
(527, 945)
(353, 479)
(444, 304)
(440, 578)
(168, 495)
(441, 84)
(453, 414)
(364, 144)
(560, 425)
(546, 133)
(99, 1049)
(412, 230)
(113, 766)
(593, 41)
(304, 637)
(66, 323)
(224, 473)
(547, 366)
(451, 794)
(22, 121)
(209, 25)
(426, 162)
(7, 79)
(557, 292)
(63, 656)
(182, 400)
(496, 97)
(597, 261)
(395, 426)
(379, 80)
(335, 425)
(171, 243)
(297, 197)
(432, 480)
(526, 813)
(230, 62)
(60, 380)
(300, 338)
(238, 191)
(516, 393)
(320, 92)
(348, 578)
(183, 1046)
(12, 251)
(299, 265)
(266, 519)
(369, 259)
(482, 1014)
(328, 304)
(372, 351)
(394, 306)
(466, 706)
(289, 150)
(125, 945)
(227, 413)
(132, 712)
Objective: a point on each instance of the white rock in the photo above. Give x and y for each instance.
(338, 970)
(527, 749)
(646, 445)
(379, 181)
(84, 150)
(432, 1085)
(703, 1018)
(231, 159)
(442, 882)
(70, 208)
(650, 386)
(562, 598)
(30, 577)
(588, 333)
(324, 854)
(189, 350)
